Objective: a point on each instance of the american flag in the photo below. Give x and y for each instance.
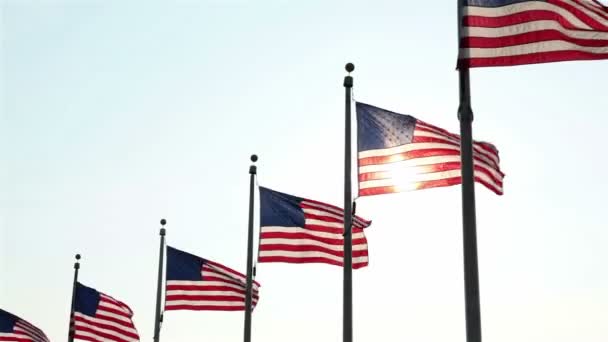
(401, 153)
(299, 230)
(514, 32)
(194, 283)
(101, 318)
(15, 329)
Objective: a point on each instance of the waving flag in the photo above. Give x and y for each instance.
(101, 318)
(15, 329)
(194, 283)
(299, 230)
(401, 153)
(513, 32)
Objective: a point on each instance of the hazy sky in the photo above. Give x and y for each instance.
(116, 114)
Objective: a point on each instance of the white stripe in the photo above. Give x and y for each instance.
(321, 223)
(593, 7)
(237, 303)
(339, 212)
(293, 230)
(88, 334)
(98, 338)
(411, 167)
(356, 222)
(492, 158)
(309, 242)
(410, 183)
(35, 334)
(409, 163)
(206, 283)
(206, 293)
(323, 207)
(356, 260)
(382, 152)
(547, 46)
(111, 306)
(587, 11)
(596, 5)
(495, 32)
(128, 328)
(115, 304)
(214, 273)
(229, 273)
(207, 272)
(100, 311)
(324, 214)
(13, 335)
(101, 330)
(424, 133)
(523, 7)
(30, 329)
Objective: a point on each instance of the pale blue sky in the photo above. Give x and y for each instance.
(118, 113)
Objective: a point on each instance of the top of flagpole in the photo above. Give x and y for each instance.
(348, 80)
(253, 169)
(163, 222)
(77, 263)
(350, 67)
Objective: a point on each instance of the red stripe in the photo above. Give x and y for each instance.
(127, 312)
(323, 229)
(338, 240)
(216, 275)
(205, 307)
(24, 328)
(449, 166)
(107, 326)
(339, 212)
(527, 38)
(482, 149)
(426, 127)
(490, 148)
(517, 18)
(479, 153)
(309, 248)
(580, 14)
(113, 311)
(208, 277)
(86, 338)
(111, 319)
(409, 155)
(211, 298)
(204, 288)
(600, 5)
(442, 140)
(15, 339)
(220, 266)
(406, 156)
(103, 336)
(304, 205)
(30, 330)
(323, 218)
(311, 260)
(602, 13)
(426, 185)
(539, 57)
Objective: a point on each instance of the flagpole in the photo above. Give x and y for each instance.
(248, 289)
(347, 319)
(71, 330)
(469, 225)
(159, 289)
